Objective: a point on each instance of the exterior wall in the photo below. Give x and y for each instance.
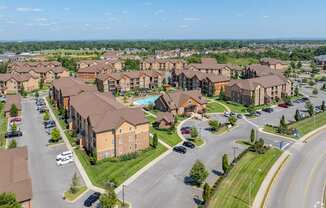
(26, 204)
(105, 145)
(65, 73)
(12, 87)
(86, 76)
(31, 85)
(164, 124)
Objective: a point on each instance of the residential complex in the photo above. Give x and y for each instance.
(163, 64)
(15, 83)
(181, 102)
(64, 88)
(258, 70)
(165, 120)
(125, 81)
(274, 63)
(14, 175)
(321, 61)
(10, 101)
(106, 127)
(260, 90)
(209, 84)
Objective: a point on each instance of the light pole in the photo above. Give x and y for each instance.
(123, 195)
(234, 151)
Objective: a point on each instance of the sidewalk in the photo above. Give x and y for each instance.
(79, 166)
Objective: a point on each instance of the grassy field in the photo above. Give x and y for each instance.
(239, 188)
(237, 108)
(241, 61)
(213, 107)
(70, 196)
(117, 171)
(169, 137)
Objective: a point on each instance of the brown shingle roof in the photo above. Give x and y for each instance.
(175, 99)
(96, 68)
(262, 70)
(130, 74)
(202, 75)
(39, 69)
(17, 77)
(70, 86)
(12, 99)
(271, 61)
(167, 116)
(14, 176)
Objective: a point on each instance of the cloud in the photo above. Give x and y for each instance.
(3, 7)
(148, 3)
(108, 13)
(41, 24)
(191, 19)
(183, 26)
(27, 9)
(266, 16)
(42, 19)
(160, 11)
(239, 15)
(10, 22)
(124, 12)
(66, 9)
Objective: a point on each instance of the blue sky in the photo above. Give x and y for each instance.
(161, 19)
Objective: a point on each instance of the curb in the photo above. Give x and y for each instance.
(78, 197)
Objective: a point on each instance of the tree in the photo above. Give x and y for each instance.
(75, 184)
(310, 108)
(46, 116)
(206, 192)
(22, 90)
(41, 84)
(296, 91)
(259, 146)
(292, 65)
(323, 107)
(194, 133)
(108, 199)
(323, 87)
(283, 126)
(55, 135)
(222, 94)
(12, 145)
(214, 124)
(8, 200)
(311, 83)
(198, 173)
(36, 94)
(131, 65)
(297, 115)
(253, 136)
(232, 120)
(155, 140)
(13, 110)
(315, 91)
(299, 65)
(225, 163)
(251, 109)
(14, 127)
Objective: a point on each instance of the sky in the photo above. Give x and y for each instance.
(161, 19)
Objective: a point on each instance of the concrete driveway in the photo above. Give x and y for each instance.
(48, 180)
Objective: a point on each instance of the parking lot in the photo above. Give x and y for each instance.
(49, 181)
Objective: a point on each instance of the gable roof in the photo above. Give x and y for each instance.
(14, 175)
(167, 116)
(271, 61)
(129, 74)
(190, 74)
(263, 70)
(17, 77)
(174, 100)
(12, 100)
(70, 86)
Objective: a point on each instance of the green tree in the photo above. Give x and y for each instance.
(232, 120)
(194, 133)
(297, 115)
(36, 94)
(13, 110)
(253, 136)
(206, 192)
(198, 173)
(225, 164)
(283, 126)
(108, 199)
(296, 91)
(155, 140)
(214, 124)
(131, 65)
(311, 83)
(46, 116)
(299, 65)
(41, 84)
(222, 94)
(12, 145)
(55, 135)
(292, 65)
(323, 107)
(75, 184)
(14, 127)
(310, 108)
(251, 109)
(8, 200)
(315, 91)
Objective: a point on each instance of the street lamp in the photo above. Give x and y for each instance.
(234, 151)
(123, 195)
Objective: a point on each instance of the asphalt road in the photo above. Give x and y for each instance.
(48, 180)
(302, 180)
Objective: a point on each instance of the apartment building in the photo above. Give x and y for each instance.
(258, 70)
(274, 63)
(208, 83)
(106, 127)
(259, 90)
(14, 175)
(126, 81)
(14, 83)
(64, 88)
(210, 65)
(163, 64)
(34, 64)
(321, 61)
(10, 101)
(182, 102)
(115, 64)
(89, 74)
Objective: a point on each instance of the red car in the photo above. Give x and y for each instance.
(16, 120)
(185, 131)
(283, 105)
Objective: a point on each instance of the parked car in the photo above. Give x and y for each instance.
(63, 155)
(258, 113)
(15, 120)
(180, 149)
(186, 128)
(49, 125)
(188, 144)
(92, 199)
(48, 122)
(239, 116)
(11, 134)
(232, 114)
(2, 99)
(283, 105)
(268, 110)
(43, 109)
(186, 131)
(65, 161)
(227, 114)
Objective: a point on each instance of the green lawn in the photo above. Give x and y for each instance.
(117, 171)
(235, 107)
(244, 180)
(213, 107)
(70, 196)
(3, 126)
(169, 137)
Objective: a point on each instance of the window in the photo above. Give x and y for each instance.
(120, 131)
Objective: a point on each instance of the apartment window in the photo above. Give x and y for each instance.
(113, 141)
(120, 131)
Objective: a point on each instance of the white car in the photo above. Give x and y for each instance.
(65, 161)
(64, 155)
(227, 114)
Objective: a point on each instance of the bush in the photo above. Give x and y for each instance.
(315, 91)
(12, 144)
(198, 173)
(55, 135)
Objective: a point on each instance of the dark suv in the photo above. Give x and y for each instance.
(92, 199)
(180, 149)
(188, 144)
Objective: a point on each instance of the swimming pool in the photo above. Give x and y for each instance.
(146, 101)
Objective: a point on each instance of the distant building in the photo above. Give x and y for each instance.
(321, 61)
(14, 83)
(274, 63)
(163, 64)
(258, 70)
(14, 175)
(182, 102)
(117, 65)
